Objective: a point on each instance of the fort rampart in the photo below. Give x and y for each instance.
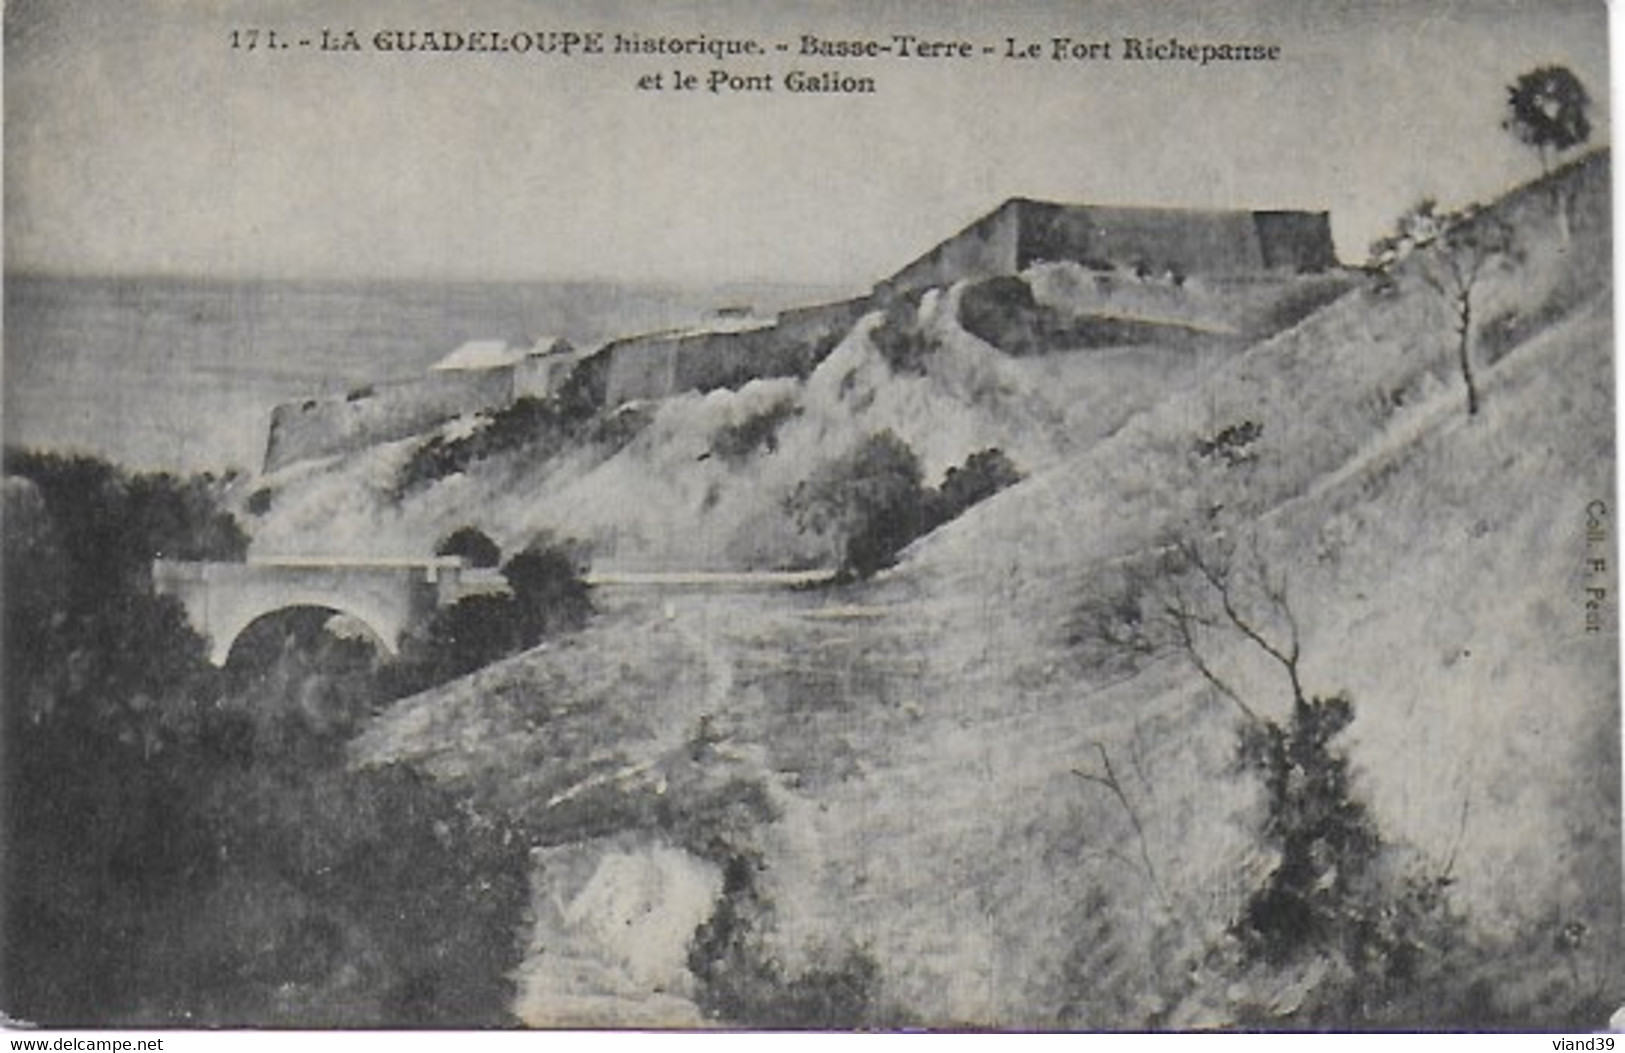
(1218, 244)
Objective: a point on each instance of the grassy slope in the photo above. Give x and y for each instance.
(918, 735)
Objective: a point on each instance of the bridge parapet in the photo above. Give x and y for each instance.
(388, 595)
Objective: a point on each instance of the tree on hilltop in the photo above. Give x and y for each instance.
(1547, 110)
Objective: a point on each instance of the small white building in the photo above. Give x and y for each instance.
(536, 369)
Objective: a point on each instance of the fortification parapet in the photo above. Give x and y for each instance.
(1211, 242)
(322, 427)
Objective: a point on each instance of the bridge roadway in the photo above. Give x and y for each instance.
(388, 595)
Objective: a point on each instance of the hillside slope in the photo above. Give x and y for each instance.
(902, 759)
(699, 480)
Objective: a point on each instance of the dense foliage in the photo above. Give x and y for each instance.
(1546, 109)
(1323, 832)
(187, 845)
(741, 982)
(758, 432)
(899, 338)
(983, 474)
(546, 594)
(872, 501)
(472, 545)
(574, 416)
(868, 501)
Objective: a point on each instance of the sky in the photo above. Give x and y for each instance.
(138, 140)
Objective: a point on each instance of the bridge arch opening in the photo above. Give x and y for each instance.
(299, 678)
(311, 635)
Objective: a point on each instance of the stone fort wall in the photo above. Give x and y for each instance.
(1020, 232)
(1217, 243)
(321, 427)
(658, 365)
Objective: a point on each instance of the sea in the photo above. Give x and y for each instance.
(181, 375)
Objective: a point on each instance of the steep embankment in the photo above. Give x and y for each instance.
(903, 758)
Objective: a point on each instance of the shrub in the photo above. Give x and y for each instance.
(872, 503)
(1324, 834)
(1232, 444)
(549, 592)
(471, 633)
(899, 339)
(983, 474)
(736, 443)
(259, 502)
(1003, 312)
(869, 500)
(552, 423)
(547, 595)
(741, 982)
(470, 544)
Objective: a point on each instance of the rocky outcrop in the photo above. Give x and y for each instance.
(613, 923)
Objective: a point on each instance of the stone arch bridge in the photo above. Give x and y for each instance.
(389, 596)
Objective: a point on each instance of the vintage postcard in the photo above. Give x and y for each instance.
(830, 515)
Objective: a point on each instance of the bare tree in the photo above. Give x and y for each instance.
(1265, 619)
(1107, 777)
(1335, 892)
(1469, 248)
(1323, 831)
(1454, 252)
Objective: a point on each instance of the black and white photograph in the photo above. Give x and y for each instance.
(810, 515)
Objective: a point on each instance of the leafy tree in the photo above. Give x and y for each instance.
(869, 501)
(174, 856)
(112, 525)
(549, 593)
(1546, 109)
(872, 504)
(983, 474)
